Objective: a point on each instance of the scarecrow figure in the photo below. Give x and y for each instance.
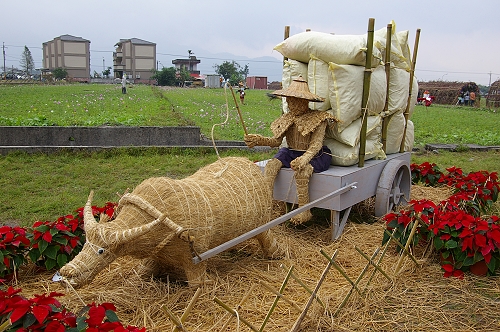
(304, 130)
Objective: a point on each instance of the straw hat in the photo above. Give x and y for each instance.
(298, 89)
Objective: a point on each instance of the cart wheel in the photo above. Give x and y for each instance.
(393, 187)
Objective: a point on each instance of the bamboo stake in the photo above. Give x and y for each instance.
(280, 295)
(410, 238)
(276, 299)
(366, 92)
(301, 283)
(378, 268)
(173, 318)
(342, 272)
(361, 275)
(238, 307)
(412, 74)
(296, 326)
(189, 307)
(235, 314)
(286, 35)
(238, 108)
(385, 121)
(379, 261)
(402, 247)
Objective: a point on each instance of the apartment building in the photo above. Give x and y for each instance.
(70, 53)
(135, 57)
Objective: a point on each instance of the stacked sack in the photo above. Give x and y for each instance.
(334, 66)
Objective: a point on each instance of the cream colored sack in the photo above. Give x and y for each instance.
(399, 87)
(395, 130)
(410, 136)
(402, 37)
(341, 49)
(350, 135)
(345, 155)
(346, 92)
(380, 42)
(291, 70)
(318, 77)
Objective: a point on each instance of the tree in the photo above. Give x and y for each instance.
(26, 62)
(106, 72)
(232, 71)
(165, 76)
(59, 73)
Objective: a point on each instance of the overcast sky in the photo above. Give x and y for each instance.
(459, 41)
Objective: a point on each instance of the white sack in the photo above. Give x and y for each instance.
(350, 135)
(317, 79)
(395, 130)
(380, 42)
(345, 155)
(346, 92)
(341, 49)
(410, 136)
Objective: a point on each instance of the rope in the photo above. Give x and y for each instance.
(220, 124)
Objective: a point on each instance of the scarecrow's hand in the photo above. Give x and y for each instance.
(252, 140)
(299, 163)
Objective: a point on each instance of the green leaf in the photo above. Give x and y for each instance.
(450, 244)
(111, 315)
(61, 240)
(50, 264)
(81, 325)
(62, 259)
(29, 319)
(438, 243)
(42, 228)
(42, 245)
(51, 252)
(468, 261)
(34, 255)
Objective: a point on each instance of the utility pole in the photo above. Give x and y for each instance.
(3, 50)
(489, 85)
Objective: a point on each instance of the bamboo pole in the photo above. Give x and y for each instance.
(173, 318)
(342, 272)
(189, 307)
(410, 238)
(276, 299)
(238, 108)
(402, 247)
(385, 121)
(235, 314)
(296, 326)
(301, 283)
(412, 74)
(286, 35)
(238, 307)
(361, 275)
(280, 295)
(366, 92)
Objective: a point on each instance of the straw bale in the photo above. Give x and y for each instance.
(418, 299)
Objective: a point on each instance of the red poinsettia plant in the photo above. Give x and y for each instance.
(45, 313)
(54, 243)
(427, 173)
(459, 232)
(14, 245)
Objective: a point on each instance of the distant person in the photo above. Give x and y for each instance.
(460, 101)
(242, 93)
(466, 98)
(472, 98)
(124, 83)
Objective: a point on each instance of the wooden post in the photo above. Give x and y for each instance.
(287, 34)
(412, 73)
(366, 92)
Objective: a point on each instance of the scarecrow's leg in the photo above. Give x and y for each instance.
(271, 170)
(302, 180)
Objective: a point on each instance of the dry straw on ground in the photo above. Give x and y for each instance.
(418, 299)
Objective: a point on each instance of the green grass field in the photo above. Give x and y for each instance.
(44, 187)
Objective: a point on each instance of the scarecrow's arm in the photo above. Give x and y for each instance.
(252, 140)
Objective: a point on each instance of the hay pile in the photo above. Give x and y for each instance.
(447, 93)
(418, 299)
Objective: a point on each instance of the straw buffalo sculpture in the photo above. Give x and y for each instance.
(166, 222)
